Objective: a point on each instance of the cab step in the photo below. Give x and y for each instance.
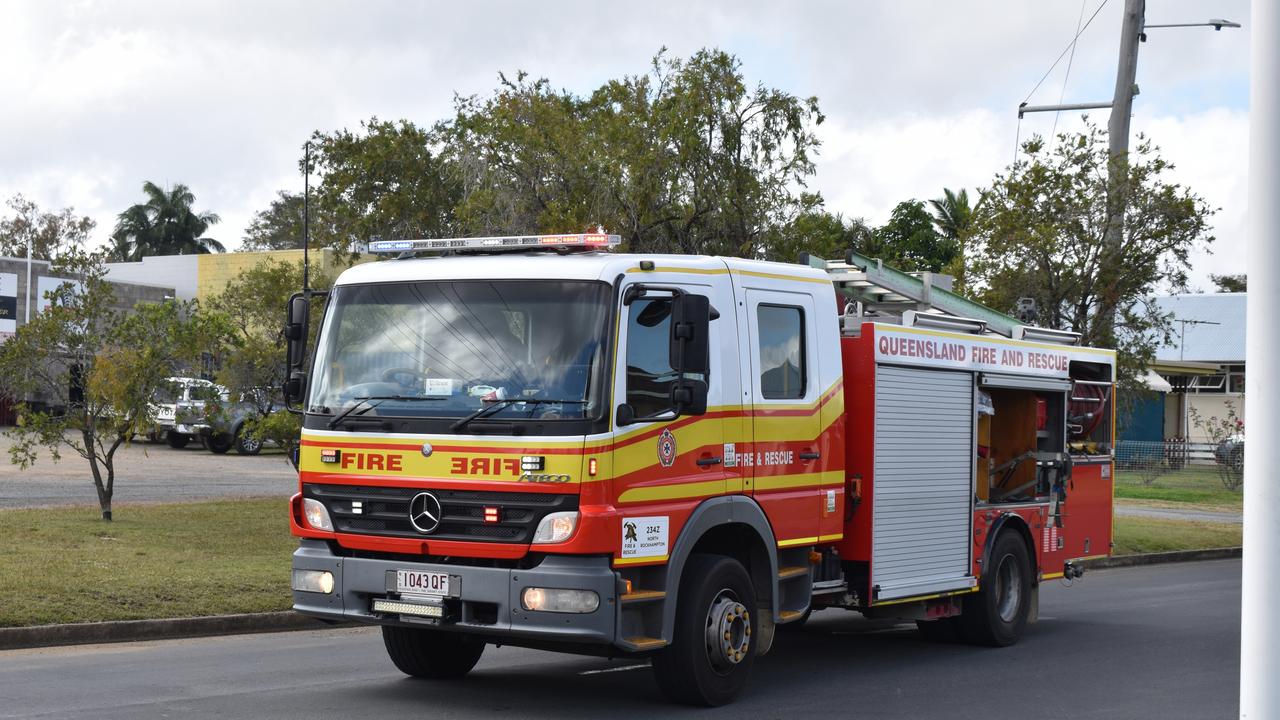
(640, 642)
(640, 596)
(788, 573)
(787, 616)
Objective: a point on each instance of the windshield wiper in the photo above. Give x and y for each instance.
(370, 402)
(496, 405)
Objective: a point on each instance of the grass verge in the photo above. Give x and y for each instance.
(1199, 485)
(65, 565)
(1134, 535)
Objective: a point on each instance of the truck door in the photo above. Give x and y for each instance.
(786, 422)
(670, 463)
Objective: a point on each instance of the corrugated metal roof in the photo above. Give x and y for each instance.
(1221, 343)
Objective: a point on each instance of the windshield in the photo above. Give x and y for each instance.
(447, 349)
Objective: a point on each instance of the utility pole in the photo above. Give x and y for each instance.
(1131, 31)
(1259, 622)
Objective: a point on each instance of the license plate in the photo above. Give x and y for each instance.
(422, 583)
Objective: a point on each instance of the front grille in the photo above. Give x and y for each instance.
(385, 511)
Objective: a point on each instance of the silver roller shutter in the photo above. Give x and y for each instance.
(922, 490)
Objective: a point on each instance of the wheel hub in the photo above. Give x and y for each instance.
(728, 632)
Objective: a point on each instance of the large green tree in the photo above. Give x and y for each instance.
(1038, 233)
(382, 180)
(278, 227)
(95, 368)
(910, 240)
(165, 224)
(47, 233)
(685, 158)
(817, 232)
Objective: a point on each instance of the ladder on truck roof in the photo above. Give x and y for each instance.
(920, 299)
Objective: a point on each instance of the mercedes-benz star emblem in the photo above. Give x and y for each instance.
(425, 512)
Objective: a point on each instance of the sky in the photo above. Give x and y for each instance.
(918, 95)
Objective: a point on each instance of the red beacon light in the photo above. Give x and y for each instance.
(579, 240)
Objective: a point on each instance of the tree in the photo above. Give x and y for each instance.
(1231, 283)
(165, 224)
(383, 181)
(1038, 233)
(952, 214)
(816, 232)
(48, 233)
(279, 227)
(685, 158)
(253, 306)
(98, 368)
(910, 240)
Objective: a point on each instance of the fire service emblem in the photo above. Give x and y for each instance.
(667, 448)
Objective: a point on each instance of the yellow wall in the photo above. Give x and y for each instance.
(215, 270)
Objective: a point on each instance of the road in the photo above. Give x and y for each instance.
(1151, 642)
(146, 473)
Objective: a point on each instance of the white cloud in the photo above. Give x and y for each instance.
(919, 96)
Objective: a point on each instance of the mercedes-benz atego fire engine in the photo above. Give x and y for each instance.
(535, 441)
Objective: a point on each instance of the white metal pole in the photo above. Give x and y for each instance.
(1260, 623)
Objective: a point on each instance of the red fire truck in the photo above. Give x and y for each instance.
(536, 441)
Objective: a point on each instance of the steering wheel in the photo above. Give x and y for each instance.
(393, 375)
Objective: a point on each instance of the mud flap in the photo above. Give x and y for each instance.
(766, 631)
(1033, 612)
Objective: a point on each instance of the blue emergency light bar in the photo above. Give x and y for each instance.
(579, 240)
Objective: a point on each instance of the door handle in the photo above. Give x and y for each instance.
(807, 455)
(708, 461)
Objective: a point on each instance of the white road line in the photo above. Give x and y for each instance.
(614, 669)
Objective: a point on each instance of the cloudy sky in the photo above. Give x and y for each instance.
(919, 95)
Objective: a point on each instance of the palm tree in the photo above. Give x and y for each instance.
(164, 225)
(952, 213)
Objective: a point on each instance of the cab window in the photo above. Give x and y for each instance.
(649, 371)
(782, 360)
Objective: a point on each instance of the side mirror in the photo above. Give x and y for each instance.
(295, 332)
(690, 330)
(689, 397)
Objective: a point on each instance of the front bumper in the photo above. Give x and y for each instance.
(485, 601)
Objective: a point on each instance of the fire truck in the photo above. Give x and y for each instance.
(537, 441)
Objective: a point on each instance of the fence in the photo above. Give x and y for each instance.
(1180, 464)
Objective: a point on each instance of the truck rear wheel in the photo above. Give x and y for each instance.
(218, 443)
(247, 443)
(997, 614)
(177, 441)
(710, 657)
(431, 654)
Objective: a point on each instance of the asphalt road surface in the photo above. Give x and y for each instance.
(146, 472)
(1151, 642)
(1166, 513)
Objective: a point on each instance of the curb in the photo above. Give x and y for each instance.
(15, 638)
(1121, 561)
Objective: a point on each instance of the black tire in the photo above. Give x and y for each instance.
(715, 594)
(218, 443)
(177, 441)
(997, 614)
(431, 654)
(945, 630)
(246, 443)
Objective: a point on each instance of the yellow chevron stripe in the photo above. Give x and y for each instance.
(798, 541)
(632, 561)
(674, 491)
(786, 482)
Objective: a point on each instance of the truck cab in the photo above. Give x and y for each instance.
(534, 441)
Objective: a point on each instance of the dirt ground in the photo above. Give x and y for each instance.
(146, 473)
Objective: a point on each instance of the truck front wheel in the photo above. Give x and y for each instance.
(431, 654)
(710, 657)
(997, 614)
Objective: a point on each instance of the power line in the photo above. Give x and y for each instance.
(1065, 50)
(1067, 76)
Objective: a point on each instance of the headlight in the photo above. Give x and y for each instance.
(556, 527)
(316, 581)
(317, 514)
(559, 601)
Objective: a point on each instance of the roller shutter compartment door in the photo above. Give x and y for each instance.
(922, 492)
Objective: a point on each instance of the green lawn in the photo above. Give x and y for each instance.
(1135, 535)
(65, 565)
(1197, 485)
